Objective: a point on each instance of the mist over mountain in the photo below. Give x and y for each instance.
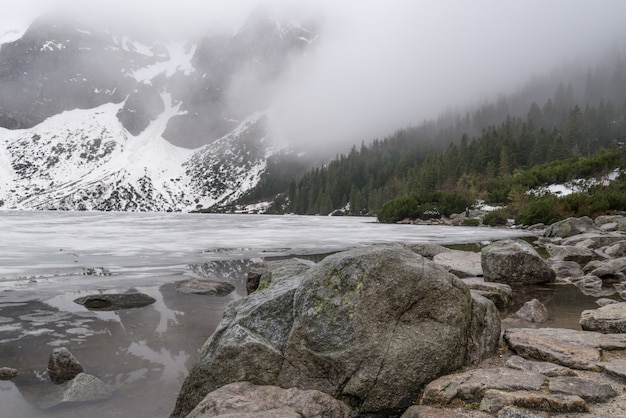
(95, 119)
(187, 105)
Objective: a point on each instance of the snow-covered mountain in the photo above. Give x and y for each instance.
(95, 120)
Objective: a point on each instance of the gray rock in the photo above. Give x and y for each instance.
(608, 319)
(605, 301)
(607, 219)
(243, 399)
(495, 400)
(460, 263)
(499, 293)
(83, 388)
(204, 287)
(613, 226)
(570, 348)
(513, 412)
(542, 367)
(63, 366)
(590, 390)
(427, 249)
(592, 286)
(484, 333)
(615, 368)
(580, 255)
(372, 325)
(425, 411)
(532, 311)
(261, 274)
(8, 373)
(514, 262)
(114, 301)
(570, 227)
(593, 239)
(615, 268)
(615, 250)
(469, 386)
(565, 270)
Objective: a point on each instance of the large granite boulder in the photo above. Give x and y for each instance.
(243, 399)
(570, 227)
(514, 262)
(369, 326)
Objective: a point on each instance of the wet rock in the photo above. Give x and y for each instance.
(114, 301)
(261, 274)
(570, 227)
(590, 390)
(460, 263)
(532, 311)
(570, 348)
(514, 262)
(542, 367)
(243, 399)
(83, 388)
(499, 293)
(608, 319)
(580, 255)
(204, 287)
(495, 400)
(8, 373)
(63, 366)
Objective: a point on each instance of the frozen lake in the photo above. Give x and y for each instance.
(48, 259)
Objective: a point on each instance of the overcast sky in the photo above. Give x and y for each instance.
(383, 64)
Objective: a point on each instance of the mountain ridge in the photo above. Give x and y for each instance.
(92, 120)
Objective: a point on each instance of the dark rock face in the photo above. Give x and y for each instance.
(63, 366)
(369, 326)
(63, 65)
(142, 106)
(111, 302)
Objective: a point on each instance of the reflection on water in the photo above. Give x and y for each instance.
(564, 302)
(144, 353)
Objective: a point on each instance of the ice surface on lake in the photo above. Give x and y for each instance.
(48, 247)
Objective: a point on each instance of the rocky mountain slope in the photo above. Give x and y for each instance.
(91, 119)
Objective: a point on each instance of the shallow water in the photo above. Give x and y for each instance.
(48, 259)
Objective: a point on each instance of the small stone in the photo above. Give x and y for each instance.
(532, 311)
(7, 373)
(63, 366)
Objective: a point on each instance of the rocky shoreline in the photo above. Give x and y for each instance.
(416, 331)
(410, 330)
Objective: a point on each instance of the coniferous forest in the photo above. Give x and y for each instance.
(495, 153)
